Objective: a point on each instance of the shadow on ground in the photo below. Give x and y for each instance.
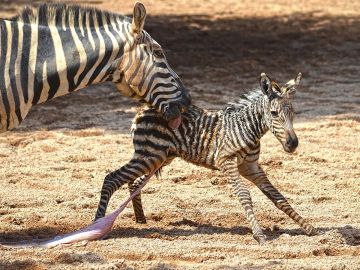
(18, 264)
(246, 45)
(350, 234)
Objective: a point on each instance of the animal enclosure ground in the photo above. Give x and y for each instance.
(52, 167)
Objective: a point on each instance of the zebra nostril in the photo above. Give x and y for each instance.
(295, 143)
(292, 143)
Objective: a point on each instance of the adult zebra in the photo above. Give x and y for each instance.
(52, 50)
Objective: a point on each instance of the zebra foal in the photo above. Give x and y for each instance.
(226, 140)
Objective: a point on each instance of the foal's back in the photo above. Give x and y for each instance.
(196, 140)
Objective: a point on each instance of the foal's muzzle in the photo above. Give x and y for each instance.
(291, 143)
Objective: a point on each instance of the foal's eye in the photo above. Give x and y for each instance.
(274, 113)
(158, 53)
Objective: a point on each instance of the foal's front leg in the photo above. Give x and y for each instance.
(253, 172)
(230, 168)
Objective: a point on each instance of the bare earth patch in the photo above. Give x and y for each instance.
(54, 164)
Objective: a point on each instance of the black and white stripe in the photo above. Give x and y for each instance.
(226, 140)
(52, 50)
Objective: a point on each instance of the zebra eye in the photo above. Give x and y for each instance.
(158, 53)
(274, 113)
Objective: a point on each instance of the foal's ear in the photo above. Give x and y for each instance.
(139, 15)
(298, 79)
(289, 89)
(265, 84)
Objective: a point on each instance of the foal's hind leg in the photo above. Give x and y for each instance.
(137, 204)
(138, 166)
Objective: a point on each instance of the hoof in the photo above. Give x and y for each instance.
(96, 218)
(141, 221)
(261, 239)
(310, 230)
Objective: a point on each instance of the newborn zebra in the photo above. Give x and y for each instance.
(226, 140)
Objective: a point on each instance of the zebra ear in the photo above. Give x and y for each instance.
(139, 15)
(298, 79)
(290, 87)
(265, 85)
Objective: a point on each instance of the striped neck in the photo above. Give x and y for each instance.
(248, 118)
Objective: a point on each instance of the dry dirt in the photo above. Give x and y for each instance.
(54, 164)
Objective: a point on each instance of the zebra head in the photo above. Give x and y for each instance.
(147, 74)
(279, 113)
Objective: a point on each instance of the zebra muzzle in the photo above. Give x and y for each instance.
(291, 143)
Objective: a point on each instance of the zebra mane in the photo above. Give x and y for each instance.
(57, 14)
(245, 100)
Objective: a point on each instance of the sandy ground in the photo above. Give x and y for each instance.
(54, 164)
